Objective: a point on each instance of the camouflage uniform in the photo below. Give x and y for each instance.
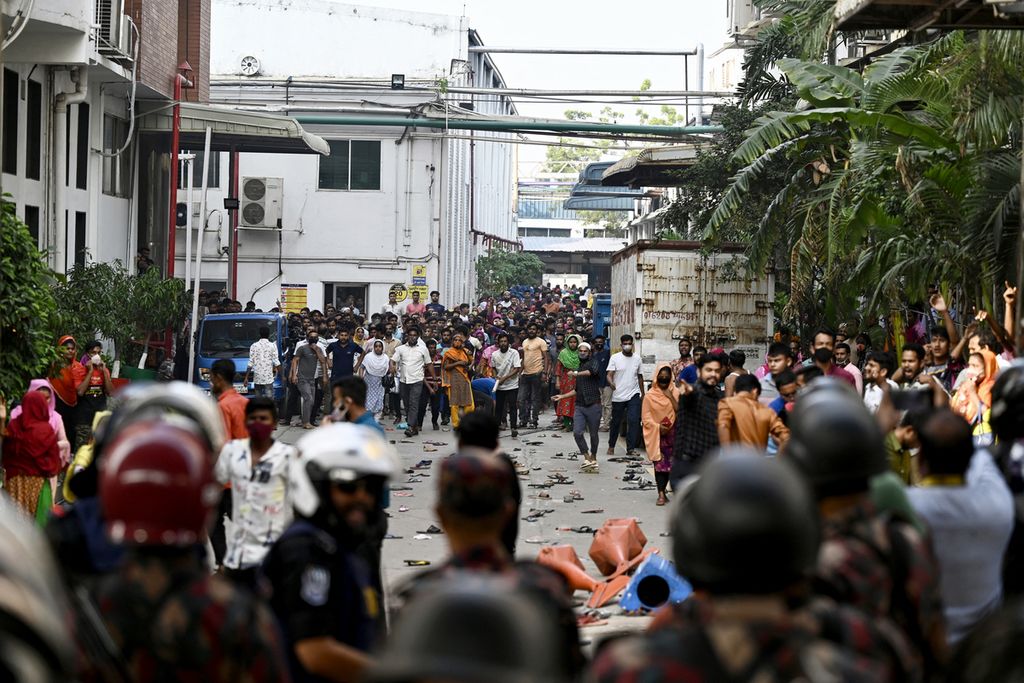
(527, 577)
(750, 639)
(178, 623)
(886, 568)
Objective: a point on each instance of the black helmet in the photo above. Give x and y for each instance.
(470, 628)
(748, 524)
(834, 440)
(1007, 416)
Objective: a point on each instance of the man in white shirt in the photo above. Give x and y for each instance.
(507, 366)
(263, 364)
(627, 385)
(258, 470)
(392, 305)
(877, 368)
(412, 362)
(970, 511)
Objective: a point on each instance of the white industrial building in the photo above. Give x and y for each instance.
(391, 202)
(66, 101)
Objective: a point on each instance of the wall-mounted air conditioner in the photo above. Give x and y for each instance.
(261, 202)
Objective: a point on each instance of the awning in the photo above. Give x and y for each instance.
(917, 15)
(589, 188)
(232, 128)
(651, 167)
(599, 204)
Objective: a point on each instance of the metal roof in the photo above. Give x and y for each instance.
(605, 245)
(917, 15)
(651, 167)
(249, 131)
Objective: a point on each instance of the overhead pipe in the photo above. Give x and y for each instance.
(61, 170)
(578, 51)
(495, 124)
(320, 84)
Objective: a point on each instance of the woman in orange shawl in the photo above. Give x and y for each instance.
(658, 417)
(973, 398)
(455, 364)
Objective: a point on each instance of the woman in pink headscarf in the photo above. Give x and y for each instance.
(44, 386)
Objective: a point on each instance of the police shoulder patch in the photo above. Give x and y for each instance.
(316, 585)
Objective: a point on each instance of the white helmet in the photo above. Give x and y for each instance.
(340, 452)
(167, 401)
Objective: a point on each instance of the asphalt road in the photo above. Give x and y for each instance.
(544, 452)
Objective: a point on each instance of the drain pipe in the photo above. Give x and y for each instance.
(61, 171)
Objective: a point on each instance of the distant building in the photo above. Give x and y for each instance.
(392, 205)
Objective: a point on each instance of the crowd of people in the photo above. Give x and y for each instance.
(840, 516)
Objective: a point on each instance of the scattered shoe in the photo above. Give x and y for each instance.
(432, 529)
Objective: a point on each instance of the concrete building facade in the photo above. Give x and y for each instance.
(392, 206)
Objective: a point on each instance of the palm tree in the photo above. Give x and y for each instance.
(901, 176)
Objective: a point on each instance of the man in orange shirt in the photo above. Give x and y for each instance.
(230, 402)
(742, 419)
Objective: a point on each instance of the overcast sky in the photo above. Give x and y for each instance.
(595, 24)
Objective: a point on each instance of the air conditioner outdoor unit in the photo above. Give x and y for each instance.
(261, 202)
(741, 13)
(109, 18)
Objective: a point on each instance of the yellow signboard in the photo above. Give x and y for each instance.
(418, 281)
(293, 298)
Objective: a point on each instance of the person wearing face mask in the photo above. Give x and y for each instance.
(258, 470)
(822, 348)
(587, 416)
(348, 397)
(843, 360)
(627, 385)
(309, 363)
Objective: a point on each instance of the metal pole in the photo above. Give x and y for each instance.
(194, 327)
(686, 86)
(188, 159)
(577, 51)
(233, 222)
(700, 83)
(172, 197)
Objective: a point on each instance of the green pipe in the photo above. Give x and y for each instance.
(524, 125)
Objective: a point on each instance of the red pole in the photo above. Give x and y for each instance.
(234, 226)
(173, 195)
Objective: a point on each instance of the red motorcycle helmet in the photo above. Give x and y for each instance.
(157, 486)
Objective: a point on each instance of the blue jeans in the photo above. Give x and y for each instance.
(631, 410)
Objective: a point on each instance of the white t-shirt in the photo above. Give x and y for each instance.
(410, 361)
(261, 500)
(625, 369)
(873, 395)
(503, 363)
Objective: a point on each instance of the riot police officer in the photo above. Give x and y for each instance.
(468, 626)
(874, 561)
(323, 593)
(746, 535)
(163, 611)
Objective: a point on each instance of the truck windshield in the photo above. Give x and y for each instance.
(232, 338)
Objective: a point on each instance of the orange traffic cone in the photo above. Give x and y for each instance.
(563, 559)
(617, 545)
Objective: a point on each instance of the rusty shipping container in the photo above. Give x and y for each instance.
(666, 290)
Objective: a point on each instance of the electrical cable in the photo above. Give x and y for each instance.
(16, 30)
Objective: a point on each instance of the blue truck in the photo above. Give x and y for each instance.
(229, 335)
